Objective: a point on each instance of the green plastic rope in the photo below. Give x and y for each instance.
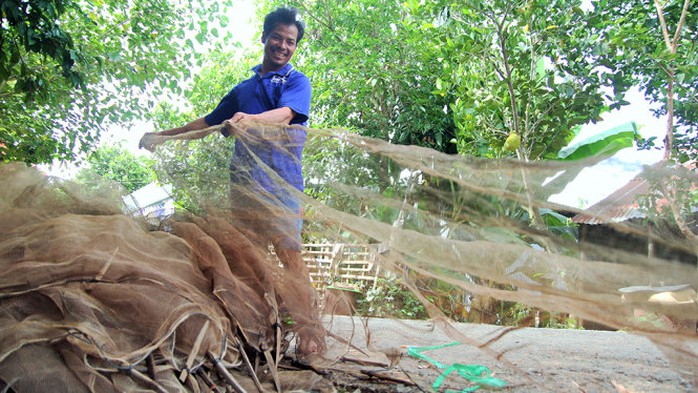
(480, 375)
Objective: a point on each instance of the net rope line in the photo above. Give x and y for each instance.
(151, 140)
(447, 167)
(430, 162)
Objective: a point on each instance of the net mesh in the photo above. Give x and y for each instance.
(220, 293)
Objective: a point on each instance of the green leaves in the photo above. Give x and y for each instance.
(639, 51)
(373, 68)
(76, 67)
(522, 68)
(31, 33)
(117, 164)
(603, 144)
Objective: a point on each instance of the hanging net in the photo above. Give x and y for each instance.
(361, 282)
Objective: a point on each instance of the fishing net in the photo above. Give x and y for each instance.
(399, 244)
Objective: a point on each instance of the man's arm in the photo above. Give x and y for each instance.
(197, 124)
(152, 139)
(282, 115)
(237, 125)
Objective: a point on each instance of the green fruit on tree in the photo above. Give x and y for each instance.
(512, 143)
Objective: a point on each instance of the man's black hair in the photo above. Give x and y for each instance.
(284, 16)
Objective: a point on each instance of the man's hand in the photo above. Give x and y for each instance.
(150, 140)
(238, 123)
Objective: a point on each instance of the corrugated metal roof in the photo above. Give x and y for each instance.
(623, 204)
(620, 206)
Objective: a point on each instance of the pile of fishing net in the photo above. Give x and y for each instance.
(96, 298)
(93, 300)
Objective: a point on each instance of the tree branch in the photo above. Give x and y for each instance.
(671, 44)
(328, 25)
(677, 34)
(665, 31)
(501, 35)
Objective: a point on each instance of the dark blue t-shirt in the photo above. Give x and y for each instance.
(284, 88)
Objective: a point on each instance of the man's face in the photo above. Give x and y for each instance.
(279, 46)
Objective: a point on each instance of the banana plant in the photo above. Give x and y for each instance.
(590, 151)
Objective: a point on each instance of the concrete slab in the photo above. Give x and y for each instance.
(527, 359)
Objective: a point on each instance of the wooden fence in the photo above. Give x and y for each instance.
(349, 266)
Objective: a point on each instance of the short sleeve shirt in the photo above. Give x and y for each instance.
(286, 87)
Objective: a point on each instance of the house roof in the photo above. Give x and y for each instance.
(151, 194)
(622, 205)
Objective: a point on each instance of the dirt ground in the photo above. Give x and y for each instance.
(527, 359)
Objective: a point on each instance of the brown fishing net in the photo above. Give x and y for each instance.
(95, 297)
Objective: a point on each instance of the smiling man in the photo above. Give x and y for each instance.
(265, 170)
